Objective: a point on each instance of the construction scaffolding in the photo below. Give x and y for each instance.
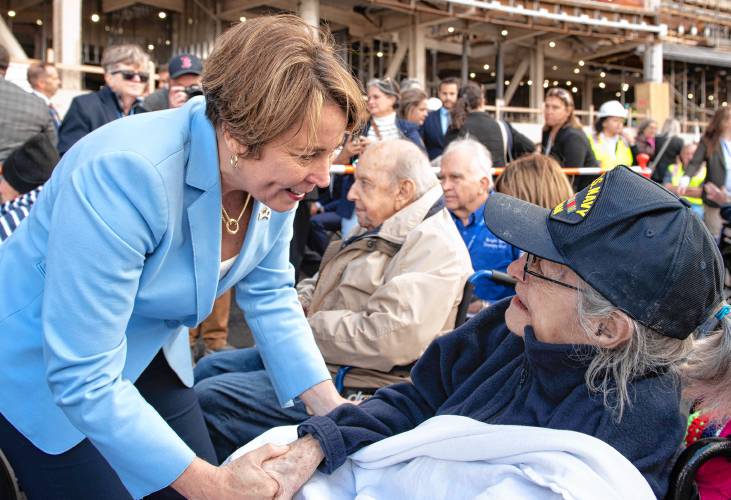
(599, 50)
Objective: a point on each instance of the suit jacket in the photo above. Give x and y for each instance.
(431, 132)
(22, 115)
(89, 112)
(119, 255)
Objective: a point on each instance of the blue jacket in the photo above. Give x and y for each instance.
(89, 112)
(119, 255)
(431, 132)
(483, 371)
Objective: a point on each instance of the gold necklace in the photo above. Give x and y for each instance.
(231, 224)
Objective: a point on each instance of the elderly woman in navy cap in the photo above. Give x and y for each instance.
(594, 341)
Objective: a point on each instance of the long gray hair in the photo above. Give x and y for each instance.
(611, 371)
(707, 370)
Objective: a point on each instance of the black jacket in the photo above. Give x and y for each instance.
(570, 148)
(715, 168)
(89, 112)
(668, 156)
(431, 133)
(485, 129)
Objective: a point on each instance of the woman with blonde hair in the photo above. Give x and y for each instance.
(537, 179)
(141, 226)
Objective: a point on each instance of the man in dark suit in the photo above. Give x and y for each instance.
(437, 122)
(22, 115)
(125, 75)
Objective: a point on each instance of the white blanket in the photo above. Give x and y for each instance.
(454, 457)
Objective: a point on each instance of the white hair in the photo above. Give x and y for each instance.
(480, 158)
(407, 162)
(612, 370)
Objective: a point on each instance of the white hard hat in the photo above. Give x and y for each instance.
(612, 108)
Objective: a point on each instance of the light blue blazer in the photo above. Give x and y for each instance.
(119, 255)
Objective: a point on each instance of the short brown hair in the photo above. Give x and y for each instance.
(450, 80)
(535, 178)
(36, 72)
(270, 73)
(409, 100)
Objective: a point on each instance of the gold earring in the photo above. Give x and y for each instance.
(234, 161)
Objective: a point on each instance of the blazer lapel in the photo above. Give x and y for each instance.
(110, 107)
(204, 219)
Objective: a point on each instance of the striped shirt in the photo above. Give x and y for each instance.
(14, 211)
(387, 128)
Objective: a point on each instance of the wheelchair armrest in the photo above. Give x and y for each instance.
(340, 378)
(682, 478)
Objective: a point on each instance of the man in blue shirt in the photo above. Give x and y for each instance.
(437, 122)
(466, 176)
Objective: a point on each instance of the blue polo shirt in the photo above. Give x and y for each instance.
(487, 251)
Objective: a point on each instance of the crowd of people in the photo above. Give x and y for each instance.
(129, 221)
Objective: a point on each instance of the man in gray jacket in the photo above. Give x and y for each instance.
(22, 115)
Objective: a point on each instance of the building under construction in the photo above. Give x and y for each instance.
(664, 58)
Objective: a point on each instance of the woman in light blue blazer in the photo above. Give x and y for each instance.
(143, 224)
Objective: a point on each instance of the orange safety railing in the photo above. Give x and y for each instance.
(646, 172)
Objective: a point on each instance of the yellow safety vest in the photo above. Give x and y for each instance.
(696, 181)
(622, 153)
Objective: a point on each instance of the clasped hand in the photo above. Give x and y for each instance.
(275, 472)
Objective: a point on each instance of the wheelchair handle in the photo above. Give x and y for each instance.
(496, 276)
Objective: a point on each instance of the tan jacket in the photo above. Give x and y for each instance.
(378, 302)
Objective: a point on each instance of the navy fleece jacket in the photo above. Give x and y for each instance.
(483, 371)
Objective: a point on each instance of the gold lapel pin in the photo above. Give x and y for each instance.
(264, 213)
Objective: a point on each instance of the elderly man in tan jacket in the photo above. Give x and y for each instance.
(380, 297)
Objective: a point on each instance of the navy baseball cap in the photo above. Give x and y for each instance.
(632, 240)
(185, 64)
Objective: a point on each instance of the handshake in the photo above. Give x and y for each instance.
(274, 471)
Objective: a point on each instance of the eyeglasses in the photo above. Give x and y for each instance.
(130, 75)
(531, 261)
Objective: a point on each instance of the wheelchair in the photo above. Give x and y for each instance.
(8, 485)
(682, 479)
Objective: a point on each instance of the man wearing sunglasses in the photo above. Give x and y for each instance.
(125, 77)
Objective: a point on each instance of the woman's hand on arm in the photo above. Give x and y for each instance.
(240, 479)
(292, 469)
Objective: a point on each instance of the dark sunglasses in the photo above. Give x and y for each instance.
(531, 261)
(130, 75)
